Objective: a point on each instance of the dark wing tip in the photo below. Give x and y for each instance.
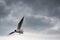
(23, 17)
(20, 23)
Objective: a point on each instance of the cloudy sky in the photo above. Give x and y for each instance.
(41, 19)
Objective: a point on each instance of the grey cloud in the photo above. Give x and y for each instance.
(10, 2)
(3, 11)
(44, 7)
(52, 32)
(37, 24)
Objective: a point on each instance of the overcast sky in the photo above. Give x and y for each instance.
(41, 19)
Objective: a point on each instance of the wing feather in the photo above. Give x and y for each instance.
(11, 33)
(20, 24)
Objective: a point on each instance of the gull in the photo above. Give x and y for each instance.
(19, 30)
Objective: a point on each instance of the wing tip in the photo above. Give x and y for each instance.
(23, 17)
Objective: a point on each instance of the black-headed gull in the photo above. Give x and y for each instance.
(19, 30)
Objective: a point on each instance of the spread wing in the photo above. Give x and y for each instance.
(11, 33)
(20, 23)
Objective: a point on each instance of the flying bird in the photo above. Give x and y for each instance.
(19, 30)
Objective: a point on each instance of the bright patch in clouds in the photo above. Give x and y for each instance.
(26, 36)
(30, 36)
(56, 27)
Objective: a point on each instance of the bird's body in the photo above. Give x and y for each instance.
(19, 30)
